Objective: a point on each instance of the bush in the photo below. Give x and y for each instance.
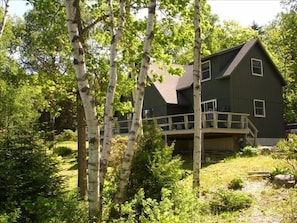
(153, 165)
(27, 174)
(287, 150)
(65, 208)
(67, 135)
(175, 206)
(118, 148)
(227, 201)
(236, 184)
(250, 151)
(62, 151)
(279, 170)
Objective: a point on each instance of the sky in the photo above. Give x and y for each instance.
(246, 11)
(243, 11)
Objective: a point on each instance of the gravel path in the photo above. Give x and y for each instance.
(258, 213)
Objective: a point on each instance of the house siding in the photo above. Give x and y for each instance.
(219, 89)
(154, 102)
(247, 87)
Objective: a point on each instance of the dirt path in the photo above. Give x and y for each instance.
(260, 212)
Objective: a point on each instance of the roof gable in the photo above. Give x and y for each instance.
(245, 48)
(173, 83)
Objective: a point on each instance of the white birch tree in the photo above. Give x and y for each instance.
(76, 40)
(197, 97)
(136, 120)
(5, 16)
(110, 95)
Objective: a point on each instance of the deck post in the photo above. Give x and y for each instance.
(229, 121)
(170, 123)
(242, 121)
(215, 119)
(203, 116)
(186, 120)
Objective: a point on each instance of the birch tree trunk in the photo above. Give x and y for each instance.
(197, 97)
(5, 16)
(108, 111)
(136, 121)
(73, 19)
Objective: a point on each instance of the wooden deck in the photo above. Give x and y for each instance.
(212, 123)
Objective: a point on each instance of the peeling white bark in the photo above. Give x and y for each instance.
(108, 112)
(136, 121)
(72, 12)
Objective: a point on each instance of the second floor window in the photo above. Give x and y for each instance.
(257, 68)
(206, 71)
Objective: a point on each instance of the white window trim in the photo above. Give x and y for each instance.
(264, 110)
(207, 79)
(255, 74)
(214, 101)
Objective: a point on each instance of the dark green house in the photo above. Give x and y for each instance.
(241, 80)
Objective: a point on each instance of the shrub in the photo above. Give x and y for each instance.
(287, 150)
(153, 165)
(175, 206)
(227, 201)
(250, 151)
(118, 147)
(279, 170)
(27, 174)
(236, 184)
(62, 151)
(67, 135)
(65, 208)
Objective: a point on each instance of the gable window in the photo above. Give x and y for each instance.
(259, 108)
(206, 71)
(257, 68)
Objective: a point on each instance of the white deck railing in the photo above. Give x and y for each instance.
(212, 120)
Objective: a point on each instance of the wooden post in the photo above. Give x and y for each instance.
(242, 121)
(186, 121)
(170, 123)
(215, 119)
(203, 119)
(229, 121)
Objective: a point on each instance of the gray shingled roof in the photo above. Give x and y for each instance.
(167, 89)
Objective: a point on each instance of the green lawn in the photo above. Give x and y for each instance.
(212, 176)
(268, 204)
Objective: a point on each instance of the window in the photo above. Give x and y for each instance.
(210, 105)
(259, 108)
(206, 71)
(257, 68)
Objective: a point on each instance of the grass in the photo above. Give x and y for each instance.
(269, 204)
(69, 165)
(212, 176)
(222, 173)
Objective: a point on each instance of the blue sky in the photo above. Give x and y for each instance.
(243, 11)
